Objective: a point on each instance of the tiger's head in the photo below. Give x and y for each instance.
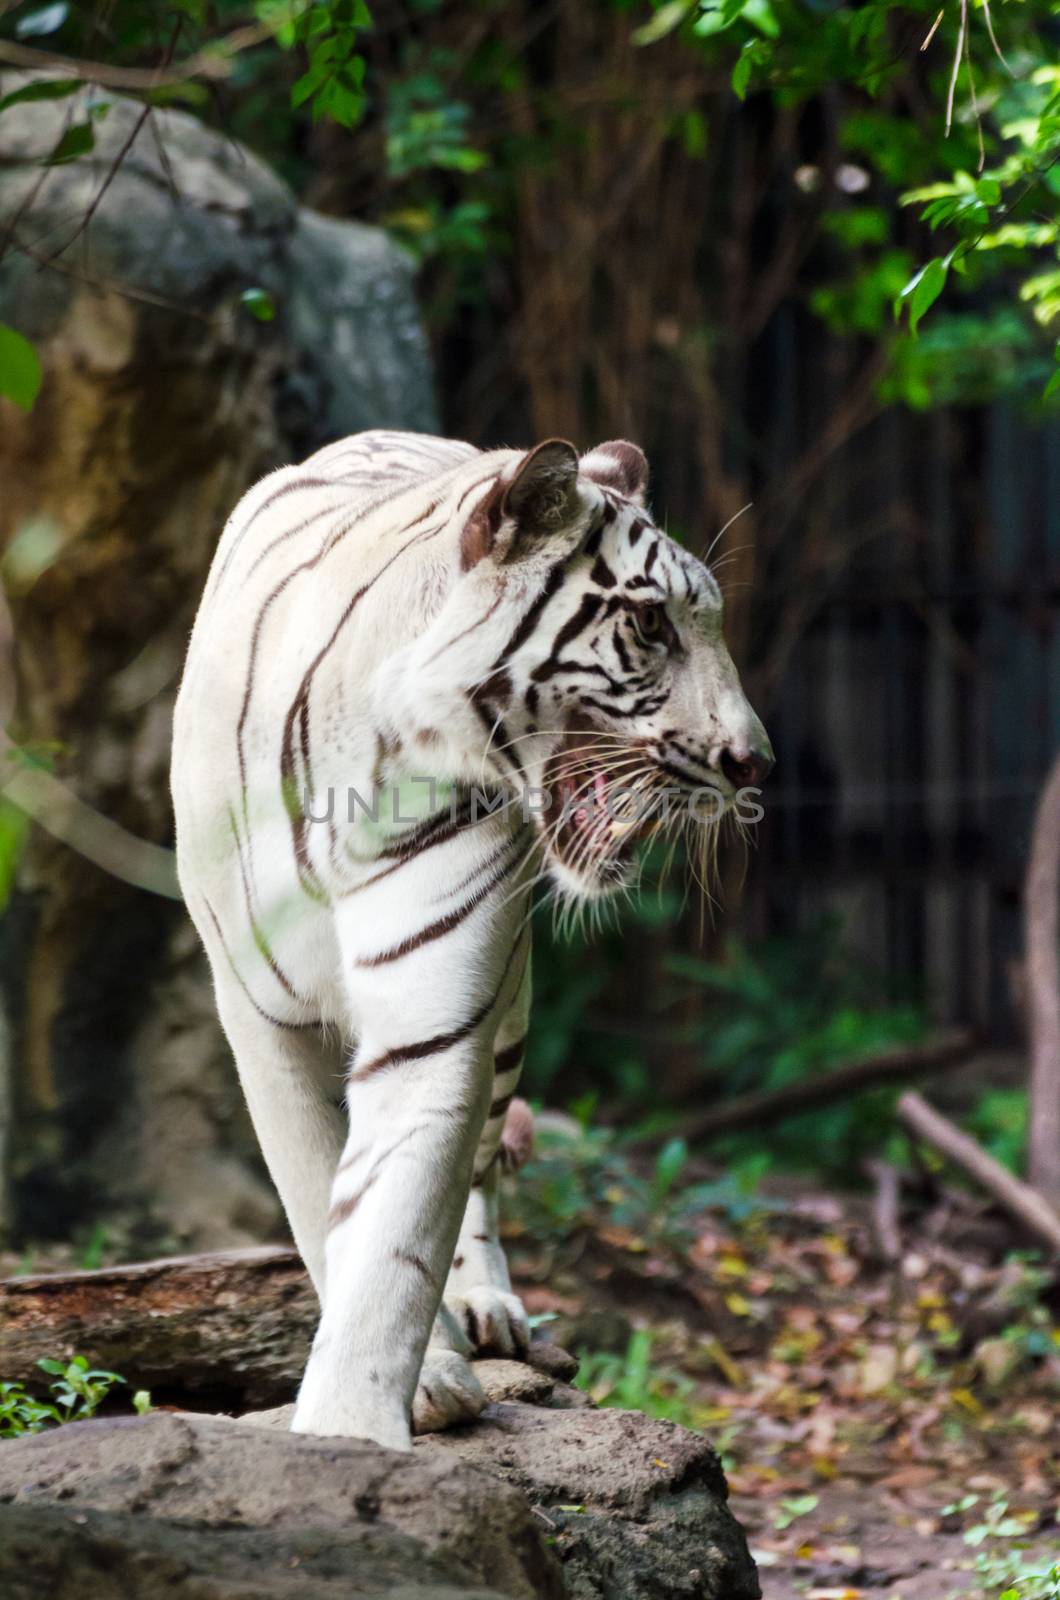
(589, 649)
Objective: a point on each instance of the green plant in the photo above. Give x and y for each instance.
(584, 1179)
(1029, 1580)
(77, 1393)
(760, 1017)
(954, 113)
(21, 1413)
(94, 1247)
(630, 1382)
(782, 1012)
(79, 1389)
(1031, 1331)
(791, 1510)
(1004, 1561)
(999, 1122)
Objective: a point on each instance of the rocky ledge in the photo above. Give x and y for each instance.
(545, 1496)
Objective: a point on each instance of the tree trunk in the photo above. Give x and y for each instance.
(162, 400)
(1041, 912)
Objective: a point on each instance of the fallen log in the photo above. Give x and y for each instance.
(770, 1106)
(224, 1330)
(1025, 1204)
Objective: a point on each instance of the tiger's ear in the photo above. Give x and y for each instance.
(537, 502)
(618, 465)
(543, 495)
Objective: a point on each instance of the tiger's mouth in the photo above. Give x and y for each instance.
(601, 806)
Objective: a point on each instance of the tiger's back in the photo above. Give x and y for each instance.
(323, 572)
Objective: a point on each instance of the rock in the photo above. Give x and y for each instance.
(550, 1357)
(196, 229)
(534, 1500)
(514, 1380)
(93, 1556)
(162, 400)
(352, 319)
(193, 1507)
(637, 1508)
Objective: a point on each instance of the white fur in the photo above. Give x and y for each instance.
(346, 575)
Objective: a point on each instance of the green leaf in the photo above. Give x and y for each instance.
(55, 1369)
(308, 84)
(1053, 386)
(259, 303)
(741, 73)
(20, 369)
(666, 19)
(668, 1165)
(790, 1510)
(762, 15)
(77, 141)
(46, 19)
(338, 101)
(930, 191)
(922, 290)
(48, 89)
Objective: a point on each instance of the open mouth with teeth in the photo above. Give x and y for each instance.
(600, 807)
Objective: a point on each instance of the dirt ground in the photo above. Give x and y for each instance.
(890, 1429)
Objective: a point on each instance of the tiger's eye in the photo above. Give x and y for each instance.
(649, 621)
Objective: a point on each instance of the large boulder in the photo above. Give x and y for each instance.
(163, 398)
(544, 1500)
(636, 1509)
(213, 1509)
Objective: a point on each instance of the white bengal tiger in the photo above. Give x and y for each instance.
(421, 677)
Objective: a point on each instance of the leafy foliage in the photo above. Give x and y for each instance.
(630, 1382)
(949, 116)
(77, 1392)
(20, 369)
(328, 31)
(952, 116)
(583, 1179)
(1000, 1534)
(758, 1019)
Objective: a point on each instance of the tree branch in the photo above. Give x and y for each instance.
(212, 62)
(910, 1061)
(1025, 1204)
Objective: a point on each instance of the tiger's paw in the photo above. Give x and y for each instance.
(448, 1392)
(493, 1320)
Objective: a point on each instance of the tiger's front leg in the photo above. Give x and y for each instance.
(417, 1097)
(479, 1294)
(397, 1201)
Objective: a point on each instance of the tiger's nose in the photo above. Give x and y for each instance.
(744, 768)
